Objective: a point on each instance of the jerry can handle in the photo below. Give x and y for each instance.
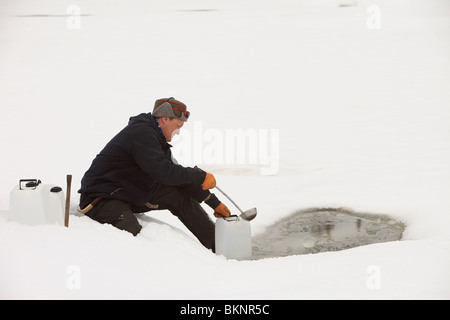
(30, 183)
(232, 217)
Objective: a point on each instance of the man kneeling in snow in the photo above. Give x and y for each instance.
(136, 172)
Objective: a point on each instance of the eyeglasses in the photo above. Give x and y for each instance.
(186, 113)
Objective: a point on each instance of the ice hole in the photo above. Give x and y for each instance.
(325, 229)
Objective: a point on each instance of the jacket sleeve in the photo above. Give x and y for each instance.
(149, 156)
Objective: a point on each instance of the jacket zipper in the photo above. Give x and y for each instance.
(118, 189)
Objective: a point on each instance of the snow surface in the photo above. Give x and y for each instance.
(362, 113)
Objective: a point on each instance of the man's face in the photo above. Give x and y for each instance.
(170, 127)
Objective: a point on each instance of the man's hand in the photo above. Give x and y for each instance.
(221, 211)
(210, 182)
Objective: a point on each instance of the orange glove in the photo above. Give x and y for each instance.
(210, 182)
(221, 211)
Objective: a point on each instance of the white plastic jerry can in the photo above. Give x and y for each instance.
(34, 203)
(233, 238)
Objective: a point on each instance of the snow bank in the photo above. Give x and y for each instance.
(90, 261)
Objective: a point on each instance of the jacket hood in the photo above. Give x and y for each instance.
(147, 119)
(143, 118)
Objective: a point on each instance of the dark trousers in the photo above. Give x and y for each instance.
(122, 215)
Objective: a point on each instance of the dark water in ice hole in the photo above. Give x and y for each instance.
(324, 229)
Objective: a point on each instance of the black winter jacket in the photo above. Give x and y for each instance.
(135, 163)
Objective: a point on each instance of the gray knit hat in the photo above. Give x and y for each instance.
(169, 107)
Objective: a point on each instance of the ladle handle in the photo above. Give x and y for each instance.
(229, 199)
